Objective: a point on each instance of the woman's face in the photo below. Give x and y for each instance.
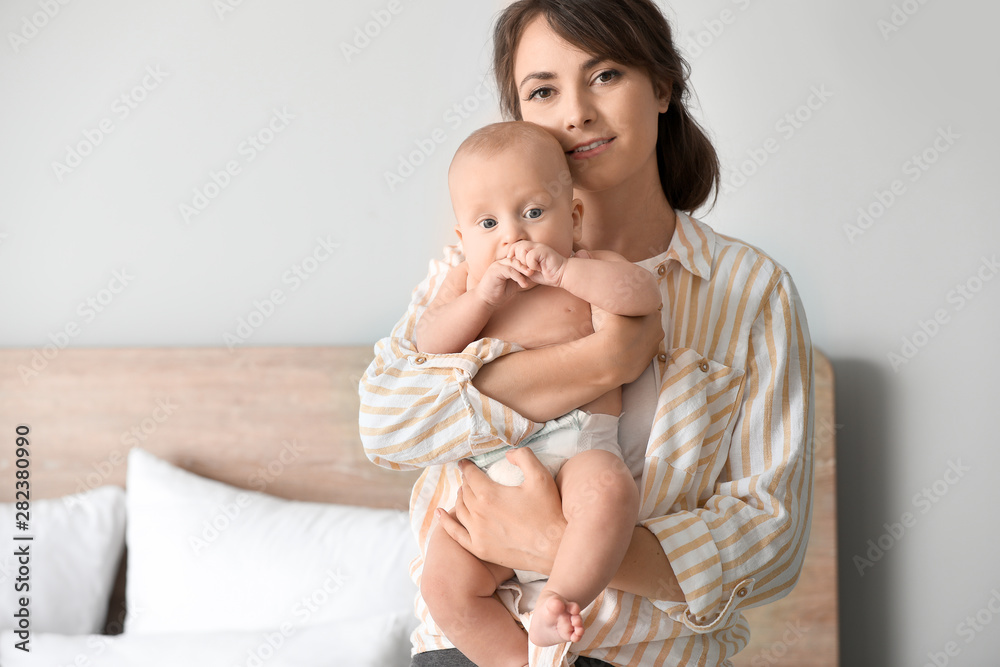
(604, 114)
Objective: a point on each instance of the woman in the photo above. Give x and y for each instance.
(716, 430)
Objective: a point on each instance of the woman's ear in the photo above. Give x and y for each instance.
(662, 90)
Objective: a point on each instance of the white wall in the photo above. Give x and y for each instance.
(223, 77)
(223, 74)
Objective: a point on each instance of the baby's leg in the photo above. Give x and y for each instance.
(601, 503)
(458, 589)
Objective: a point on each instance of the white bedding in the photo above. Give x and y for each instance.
(205, 556)
(378, 641)
(217, 576)
(71, 562)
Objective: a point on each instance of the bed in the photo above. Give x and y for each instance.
(282, 422)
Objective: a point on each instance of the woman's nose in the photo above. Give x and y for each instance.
(580, 109)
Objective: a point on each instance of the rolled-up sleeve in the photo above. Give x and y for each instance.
(744, 544)
(420, 410)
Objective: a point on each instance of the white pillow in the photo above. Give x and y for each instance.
(204, 556)
(72, 561)
(380, 641)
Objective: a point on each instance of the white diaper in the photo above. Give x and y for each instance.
(556, 442)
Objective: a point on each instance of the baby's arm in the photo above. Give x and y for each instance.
(604, 279)
(456, 315)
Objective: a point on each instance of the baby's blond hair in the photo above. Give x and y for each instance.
(495, 138)
(492, 139)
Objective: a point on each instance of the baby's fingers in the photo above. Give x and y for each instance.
(533, 258)
(518, 265)
(521, 250)
(524, 256)
(513, 272)
(514, 248)
(520, 279)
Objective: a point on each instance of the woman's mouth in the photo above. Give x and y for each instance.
(590, 149)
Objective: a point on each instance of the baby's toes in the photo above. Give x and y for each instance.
(564, 625)
(556, 606)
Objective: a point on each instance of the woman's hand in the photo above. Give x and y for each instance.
(515, 526)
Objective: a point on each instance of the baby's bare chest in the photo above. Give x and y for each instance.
(541, 316)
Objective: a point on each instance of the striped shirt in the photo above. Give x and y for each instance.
(726, 484)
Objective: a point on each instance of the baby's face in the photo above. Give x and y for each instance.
(512, 196)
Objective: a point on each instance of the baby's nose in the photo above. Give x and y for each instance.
(513, 233)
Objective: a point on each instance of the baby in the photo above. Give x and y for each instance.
(522, 283)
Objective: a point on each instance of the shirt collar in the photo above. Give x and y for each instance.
(693, 245)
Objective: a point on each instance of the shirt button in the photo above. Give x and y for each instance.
(703, 366)
(661, 356)
(742, 593)
(661, 270)
(420, 360)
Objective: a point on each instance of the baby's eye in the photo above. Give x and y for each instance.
(533, 214)
(488, 223)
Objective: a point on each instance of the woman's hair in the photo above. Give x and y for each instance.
(636, 34)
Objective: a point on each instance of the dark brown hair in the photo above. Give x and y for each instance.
(636, 34)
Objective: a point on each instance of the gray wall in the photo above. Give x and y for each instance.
(117, 115)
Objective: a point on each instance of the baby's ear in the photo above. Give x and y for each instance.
(577, 213)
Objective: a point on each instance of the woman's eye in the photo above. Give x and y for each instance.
(488, 223)
(540, 93)
(608, 76)
(533, 214)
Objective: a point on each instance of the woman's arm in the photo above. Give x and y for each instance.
(548, 382)
(545, 383)
(419, 410)
(743, 546)
(415, 407)
(645, 570)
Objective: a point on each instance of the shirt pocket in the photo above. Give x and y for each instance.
(698, 402)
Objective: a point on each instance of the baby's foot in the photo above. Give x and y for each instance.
(555, 621)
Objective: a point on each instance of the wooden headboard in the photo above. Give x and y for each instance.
(220, 414)
(289, 417)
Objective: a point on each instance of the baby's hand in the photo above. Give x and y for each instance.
(502, 280)
(541, 263)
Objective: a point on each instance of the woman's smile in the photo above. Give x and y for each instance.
(590, 149)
